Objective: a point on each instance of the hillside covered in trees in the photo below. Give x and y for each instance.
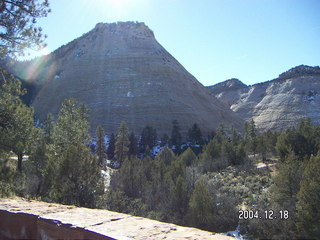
(266, 184)
(214, 182)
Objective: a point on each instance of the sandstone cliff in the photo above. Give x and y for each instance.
(123, 74)
(276, 104)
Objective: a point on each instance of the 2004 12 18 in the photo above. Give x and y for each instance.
(266, 214)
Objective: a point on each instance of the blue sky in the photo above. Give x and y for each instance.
(253, 40)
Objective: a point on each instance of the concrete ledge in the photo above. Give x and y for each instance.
(22, 219)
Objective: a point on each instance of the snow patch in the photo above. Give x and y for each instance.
(130, 94)
(236, 233)
(156, 150)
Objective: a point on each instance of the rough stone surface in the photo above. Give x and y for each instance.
(32, 219)
(124, 74)
(276, 104)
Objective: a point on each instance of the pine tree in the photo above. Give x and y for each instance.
(246, 135)
(17, 132)
(166, 156)
(18, 30)
(72, 126)
(200, 207)
(80, 182)
(287, 182)
(164, 140)
(252, 129)
(176, 138)
(148, 138)
(111, 146)
(188, 157)
(100, 146)
(194, 134)
(308, 206)
(48, 128)
(122, 143)
(133, 145)
(235, 138)
(79, 179)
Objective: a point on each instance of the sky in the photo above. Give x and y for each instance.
(215, 40)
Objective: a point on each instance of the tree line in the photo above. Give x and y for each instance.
(202, 183)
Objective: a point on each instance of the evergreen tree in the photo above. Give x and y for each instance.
(45, 167)
(252, 129)
(18, 29)
(122, 143)
(176, 138)
(166, 156)
(133, 145)
(200, 207)
(180, 196)
(188, 157)
(17, 132)
(287, 182)
(262, 147)
(100, 146)
(111, 146)
(72, 126)
(148, 138)
(308, 206)
(221, 134)
(164, 140)
(48, 128)
(283, 146)
(211, 158)
(235, 138)
(246, 135)
(194, 134)
(80, 182)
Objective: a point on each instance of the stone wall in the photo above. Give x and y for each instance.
(23, 219)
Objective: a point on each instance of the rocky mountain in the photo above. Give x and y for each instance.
(276, 104)
(123, 74)
(230, 84)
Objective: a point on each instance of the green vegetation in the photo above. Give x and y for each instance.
(200, 182)
(18, 25)
(203, 188)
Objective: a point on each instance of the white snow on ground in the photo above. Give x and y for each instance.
(24, 158)
(263, 165)
(156, 150)
(236, 234)
(130, 94)
(106, 174)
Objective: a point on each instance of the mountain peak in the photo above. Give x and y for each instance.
(298, 71)
(230, 84)
(123, 74)
(126, 28)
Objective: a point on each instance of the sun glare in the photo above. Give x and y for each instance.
(120, 8)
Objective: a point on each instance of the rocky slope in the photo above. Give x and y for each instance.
(123, 74)
(276, 104)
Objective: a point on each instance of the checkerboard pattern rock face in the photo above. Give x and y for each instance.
(123, 74)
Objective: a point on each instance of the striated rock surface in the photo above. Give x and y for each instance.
(276, 104)
(123, 74)
(21, 219)
(230, 84)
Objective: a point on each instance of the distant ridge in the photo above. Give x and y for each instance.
(276, 104)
